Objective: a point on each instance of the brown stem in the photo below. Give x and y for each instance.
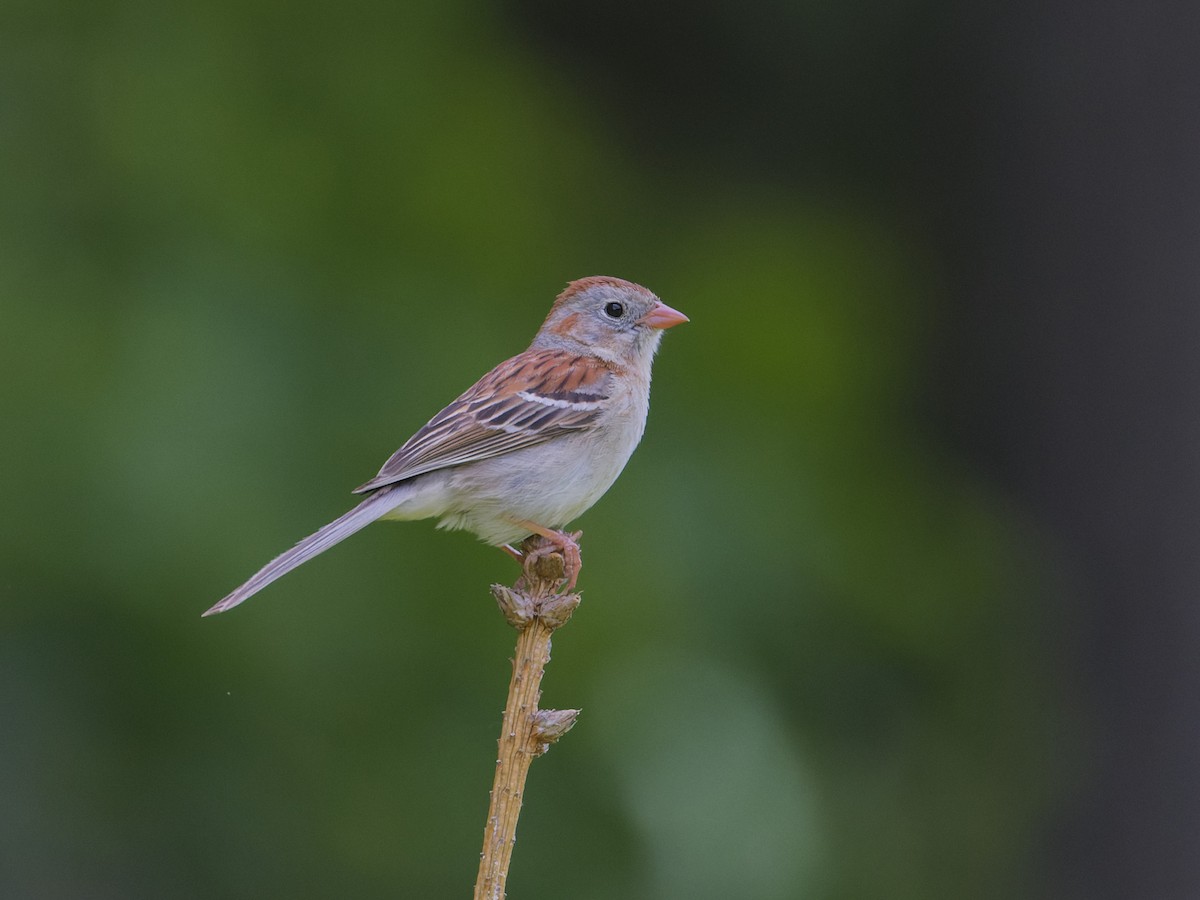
(536, 610)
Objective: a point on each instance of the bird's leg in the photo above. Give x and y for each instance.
(559, 542)
(513, 552)
(555, 542)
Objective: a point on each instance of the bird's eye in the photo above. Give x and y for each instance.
(614, 310)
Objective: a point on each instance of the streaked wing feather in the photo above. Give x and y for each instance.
(524, 401)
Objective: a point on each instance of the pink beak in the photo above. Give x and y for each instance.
(662, 316)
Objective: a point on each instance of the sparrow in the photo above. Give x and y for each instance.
(531, 445)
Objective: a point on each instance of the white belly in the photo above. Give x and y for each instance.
(550, 484)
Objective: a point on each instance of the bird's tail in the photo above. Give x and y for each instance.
(375, 506)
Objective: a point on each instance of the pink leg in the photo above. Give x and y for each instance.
(559, 542)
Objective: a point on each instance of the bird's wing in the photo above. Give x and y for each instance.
(524, 401)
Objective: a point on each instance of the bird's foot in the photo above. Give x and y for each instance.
(550, 555)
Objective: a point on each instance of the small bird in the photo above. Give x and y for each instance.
(531, 445)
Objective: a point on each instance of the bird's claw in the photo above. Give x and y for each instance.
(546, 546)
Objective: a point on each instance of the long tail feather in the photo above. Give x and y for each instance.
(376, 505)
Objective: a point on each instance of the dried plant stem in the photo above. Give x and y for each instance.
(533, 607)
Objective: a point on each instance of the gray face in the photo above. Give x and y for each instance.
(617, 309)
(607, 315)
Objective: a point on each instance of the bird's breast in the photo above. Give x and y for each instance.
(551, 483)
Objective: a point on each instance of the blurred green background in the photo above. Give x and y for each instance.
(247, 248)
